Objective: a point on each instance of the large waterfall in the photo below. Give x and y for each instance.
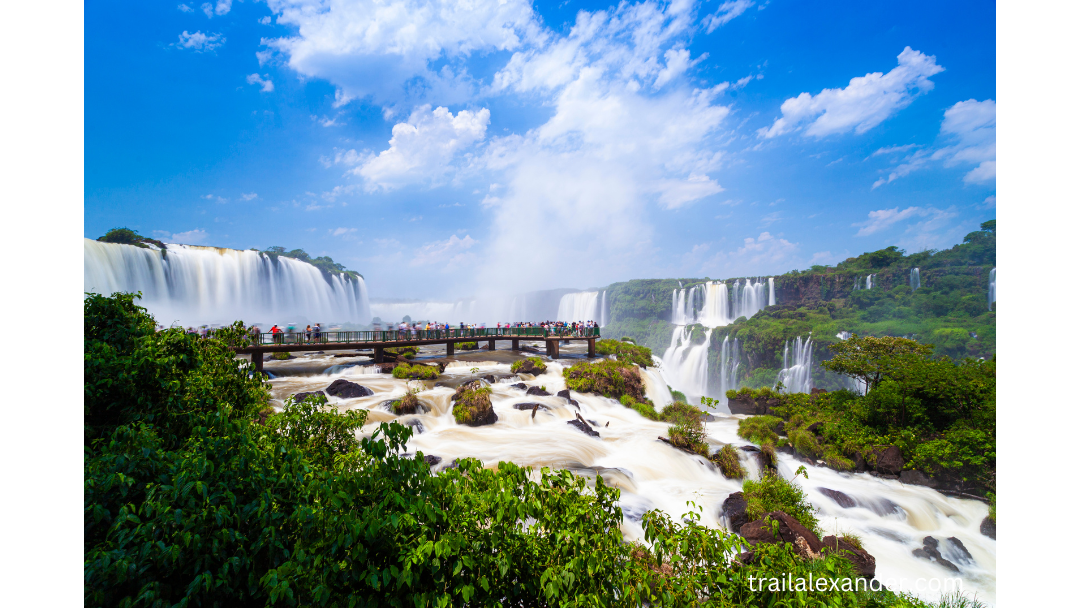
(719, 304)
(603, 309)
(685, 364)
(729, 367)
(991, 293)
(772, 293)
(580, 306)
(798, 366)
(915, 282)
(208, 285)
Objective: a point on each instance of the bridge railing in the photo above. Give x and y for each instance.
(403, 335)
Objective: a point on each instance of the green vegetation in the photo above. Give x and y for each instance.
(774, 493)
(416, 371)
(126, 236)
(728, 461)
(279, 356)
(472, 403)
(689, 436)
(468, 345)
(324, 263)
(407, 352)
(760, 429)
(189, 500)
(677, 395)
(408, 404)
(537, 366)
(625, 351)
(606, 377)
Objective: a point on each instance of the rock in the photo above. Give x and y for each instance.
(929, 551)
(529, 367)
(298, 397)
(472, 406)
(815, 428)
(752, 407)
(565, 394)
(914, 477)
(864, 563)
(343, 389)
(790, 531)
(889, 460)
(988, 527)
(734, 511)
(817, 391)
(529, 405)
(583, 427)
(271, 358)
(838, 497)
(779, 428)
(520, 385)
(958, 548)
(418, 428)
(432, 460)
(859, 462)
(491, 379)
(408, 404)
(537, 391)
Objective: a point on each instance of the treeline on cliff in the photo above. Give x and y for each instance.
(950, 309)
(198, 494)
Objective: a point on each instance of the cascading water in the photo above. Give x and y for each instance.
(796, 375)
(870, 281)
(772, 293)
(208, 285)
(603, 309)
(991, 293)
(685, 364)
(682, 304)
(747, 298)
(915, 282)
(715, 311)
(729, 367)
(581, 306)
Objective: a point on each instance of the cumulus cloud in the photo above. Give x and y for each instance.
(932, 227)
(263, 81)
(452, 252)
(191, 237)
(249, 196)
(422, 149)
(385, 50)
(221, 8)
(200, 42)
(342, 231)
(183, 8)
(725, 13)
(865, 103)
(968, 136)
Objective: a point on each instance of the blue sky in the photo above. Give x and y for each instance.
(444, 149)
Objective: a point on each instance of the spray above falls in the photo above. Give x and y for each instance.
(202, 285)
(583, 306)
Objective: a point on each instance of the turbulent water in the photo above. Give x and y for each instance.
(210, 285)
(890, 517)
(686, 365)
(798, 366)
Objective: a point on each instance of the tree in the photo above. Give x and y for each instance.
(871, 359)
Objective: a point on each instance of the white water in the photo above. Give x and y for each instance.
(686, 365)
(798, 365)
(729, 367)
(915, 282)
(991, 294)
(748, 298)
(209, 285)
(891, 518)
(870, 281)
(581, 306)
(603, 309)
(772, 293)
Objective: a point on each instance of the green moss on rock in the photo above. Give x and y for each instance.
(472, 405)
(530, 365)
(608, 378)
(416, 371)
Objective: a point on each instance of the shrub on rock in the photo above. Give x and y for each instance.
(625, 351)
(468, 345)
(531, 365)
(416, 371)
(608, 378)
(472, 405)
(409, 404)
(774, 493)
(727, 459)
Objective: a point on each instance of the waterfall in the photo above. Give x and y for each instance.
(209, 285)
(729, 367)
(870, 281)
(686, 365)
(915, 282)
(579, 306)
(714, 312)
(603, 309)
(682, 305)
(719, 305)
(772, 293)
(748, 298)
(991, 294)
(796, 375)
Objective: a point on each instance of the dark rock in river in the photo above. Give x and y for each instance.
(583, 427)
(529, 367)
(537, 391)
(564, 393)
(806, 543)
(343, 389)
(988, 527)
(298, 397)
(432, 460)
(929, 551)
(838, 497)
(733, 511)
(889, 460)
(418, 428)
(958, 550)
(520, 385)
(530, 405)
(864, 563)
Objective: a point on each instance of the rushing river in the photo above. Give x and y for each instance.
(891, 518)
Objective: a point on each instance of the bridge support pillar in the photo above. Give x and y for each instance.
(592, 347)
(449, 349)
(380, 356)
(514, 345)
(257, 361)
(491, 344)
(553, 346)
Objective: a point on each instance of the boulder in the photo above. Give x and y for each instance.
(564, 393)
(432, 460)
(864, 563)
(472, 406)
(583, 427)
(760, 406)
(959, 551)
(815, 428)
(734, 511)
(889, 460)
(520, 385)
(298, 397)
(914, 477)
(537, 391)
(930, 551)
(528, 367)
(408, 404)
(343, 389)
(988, 527)
(790, 531)
(859, 462)
(491, 379)
(838, 497)
(817, 391)
(418, 428)
(529, 405)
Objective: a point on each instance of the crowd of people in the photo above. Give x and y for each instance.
(411, 330)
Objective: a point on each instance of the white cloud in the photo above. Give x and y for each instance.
(221, 8)
(191, 237)
(184, 8)
(452, 252)
(725, 13)
(265, 20)
(342, 231)
(821, 257)
(990, 202)
(676, 193)
(385, 50)
(934, 227)
(865, 103)
(968, 137)
(884, 218)
(200, 42)
(249, 196)
(263, 81)
(893, 149)
(422, 149)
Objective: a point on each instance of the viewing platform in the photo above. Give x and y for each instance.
(378, 341)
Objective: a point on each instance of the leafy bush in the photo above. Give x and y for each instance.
(409, 404)
(416, 371)
(625, 351)
(681, 413)
(727, 458)
(608, 378)
(645, 409)
(468, 345)
(759, 429)
(126, 236)
(677, 395)
(279, 356)
(774, 493)
(690, 437)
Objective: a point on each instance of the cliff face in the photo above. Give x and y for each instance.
(813, 289)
